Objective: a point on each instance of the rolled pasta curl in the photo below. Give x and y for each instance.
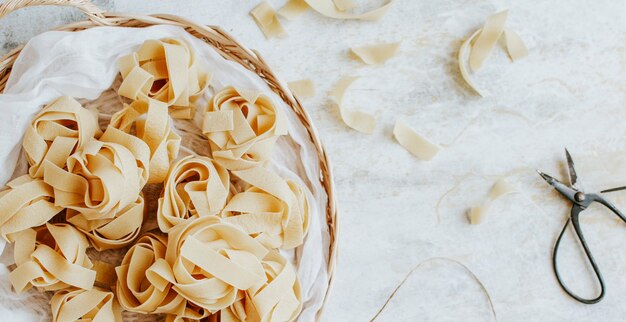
(212, 261)
(51, 257)
(272, 210)
(56, 132)
(111, 233)
(100, 180)
(94, 305)
(194, 187)
(279, 299)
(152, 125)
(25, 204)
(242, 128)
(165, 70)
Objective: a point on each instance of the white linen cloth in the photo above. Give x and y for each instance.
(84, 64)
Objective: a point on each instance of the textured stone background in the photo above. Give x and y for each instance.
(397, 211)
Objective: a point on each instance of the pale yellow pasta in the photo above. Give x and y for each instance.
(413, 142)
(265, 17)
(293, 8)
(195, 187)
(358, 120)
(376, 54)
(51, 257)
(515, 45)
(111, 233)
(100, 180)
(212, 261)
(487, 39)
(94, 305)
(274, 211)
(242, 127)
(329, 9)
(165, 70)
(343, 5)
(279, 299)
(500, 188)
(303, 88)
(60, 128)
(151, 125)
(25, 204)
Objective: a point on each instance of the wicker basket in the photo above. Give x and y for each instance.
(223, 44)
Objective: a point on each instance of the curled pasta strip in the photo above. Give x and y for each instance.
(56, 132)
(51, 257)
(194, 187)
(152, 126)
(279, 299)
(25, 204)
(111, 233)
(212, 261)
(100, 180)
(242, 128)
(274, 211)
(142, 278)
(165, 70)
(95, 305)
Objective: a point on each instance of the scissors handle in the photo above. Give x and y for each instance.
(574, 218)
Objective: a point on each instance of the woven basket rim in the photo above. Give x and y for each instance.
(228, 48)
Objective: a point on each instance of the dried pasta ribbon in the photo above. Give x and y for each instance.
(343, 5)
(274, 211)
(303, 88)
(360, 121)
(500, 188)
(143, 278)
(480, 44)
(413, 142)
(335, 9)
(94, 305)
(242, 128)
(265, 17)
(279, 299)
(293, 9)
(376, 54)
(111, 233)
(51, 257)
(165, 70)
(195, 187)
(151, 124)
(25, 204)
(212, 261)
(60, 128)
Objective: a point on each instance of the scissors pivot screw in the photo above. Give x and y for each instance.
(579, 196)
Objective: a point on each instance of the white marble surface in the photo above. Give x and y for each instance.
(570, 91)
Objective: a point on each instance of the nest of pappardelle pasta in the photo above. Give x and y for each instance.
(197, 236)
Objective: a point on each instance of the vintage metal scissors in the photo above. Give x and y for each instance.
(581, 201)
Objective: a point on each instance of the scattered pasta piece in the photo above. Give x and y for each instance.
(293, 8)
(500, 188)
(195, 187)
(60, 128)
(480, 44)
(273, 210)
(242, 128)
(360, 121)
(51, 257)
(376, 54)
(303, 88)
(265, 17)
(413, 142)
(329, 9)
(95, 305)
(343, 5)
(165, 70)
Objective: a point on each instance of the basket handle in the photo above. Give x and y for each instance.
(92, 11)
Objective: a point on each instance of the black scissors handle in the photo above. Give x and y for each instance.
(574, 219)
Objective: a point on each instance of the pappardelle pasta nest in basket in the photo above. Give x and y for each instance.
(221, 219)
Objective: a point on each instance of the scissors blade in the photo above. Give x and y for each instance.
(573, 178)
(565, 190)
